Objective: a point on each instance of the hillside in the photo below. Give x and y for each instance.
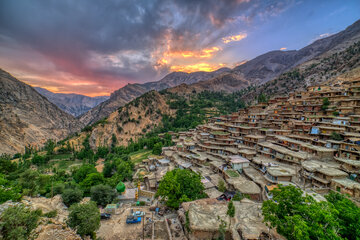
(26, 117)
(154, 113)
(75, 104)
(325, 68)
(131, 91)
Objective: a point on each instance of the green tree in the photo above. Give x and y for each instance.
(92, 179)
(300, 217)
(125, 170)
(262, 98)
(221, 186)
(222, 229)
(336, 136)
(71, 196)
(325, 104)
(17, 222)
(83, 171)
(50, 146)
(180, 185)
(157, 150)
(8, 191)
(85, 219)
(231, 210)
(102, 194)
(348, 215)
(29, 182)
(6, 166)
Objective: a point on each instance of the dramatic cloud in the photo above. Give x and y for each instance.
(197, 67)
(234, 38)
(95, 47)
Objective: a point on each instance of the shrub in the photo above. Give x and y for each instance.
(85, 219)
(102, 194)
(17, 222)
(71, 196)
(50, 214)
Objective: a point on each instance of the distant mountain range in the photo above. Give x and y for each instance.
(28, 118)
(72, 103)
(257, 71)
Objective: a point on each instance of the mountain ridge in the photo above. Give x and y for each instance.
(75, 104)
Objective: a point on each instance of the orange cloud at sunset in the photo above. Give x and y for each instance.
(206, 67)
(234, 38)
(204, 53)
(283, 48)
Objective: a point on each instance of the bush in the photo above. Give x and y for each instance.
(83, 171)
(221, 186)
(92, 179)
(85, 219)
(71, 196)
(58, 188)
(17, 222)
(50, 214)
(102, 194)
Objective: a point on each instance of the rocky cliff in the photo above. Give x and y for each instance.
(26, 117)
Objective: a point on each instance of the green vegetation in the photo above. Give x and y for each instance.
(221, 186)
(180, 185)
(102, 194)
(231, 210)
(17, 222)
(336, 136)
(325, 104)
(71, 196)
(85, 219)
(300, 217)
(232, 173)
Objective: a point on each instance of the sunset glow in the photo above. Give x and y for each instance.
(93, 48)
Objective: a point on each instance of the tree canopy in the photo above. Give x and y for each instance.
(296, 216)
(17, 222)
(85, 219)
(180, 185)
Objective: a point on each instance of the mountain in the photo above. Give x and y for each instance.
(270, 65)
(131, 91)
(75, 104)
(26, 117)
(225, 82)
(257, 71)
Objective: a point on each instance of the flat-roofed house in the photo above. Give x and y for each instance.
(346, 186)
(238, 163)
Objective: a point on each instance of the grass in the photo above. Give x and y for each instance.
(137, 157)
(232, 173)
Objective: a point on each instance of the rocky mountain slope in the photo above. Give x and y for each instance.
(75, 104)
(260, 70)
(131, 91)
(226, 82)
(325, 68)
(128, 122)
(26, 117)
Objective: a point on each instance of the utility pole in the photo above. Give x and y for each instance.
(143, 228)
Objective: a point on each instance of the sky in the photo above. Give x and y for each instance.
(95, 47)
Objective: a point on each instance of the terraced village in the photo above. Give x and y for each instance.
(310, 139)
